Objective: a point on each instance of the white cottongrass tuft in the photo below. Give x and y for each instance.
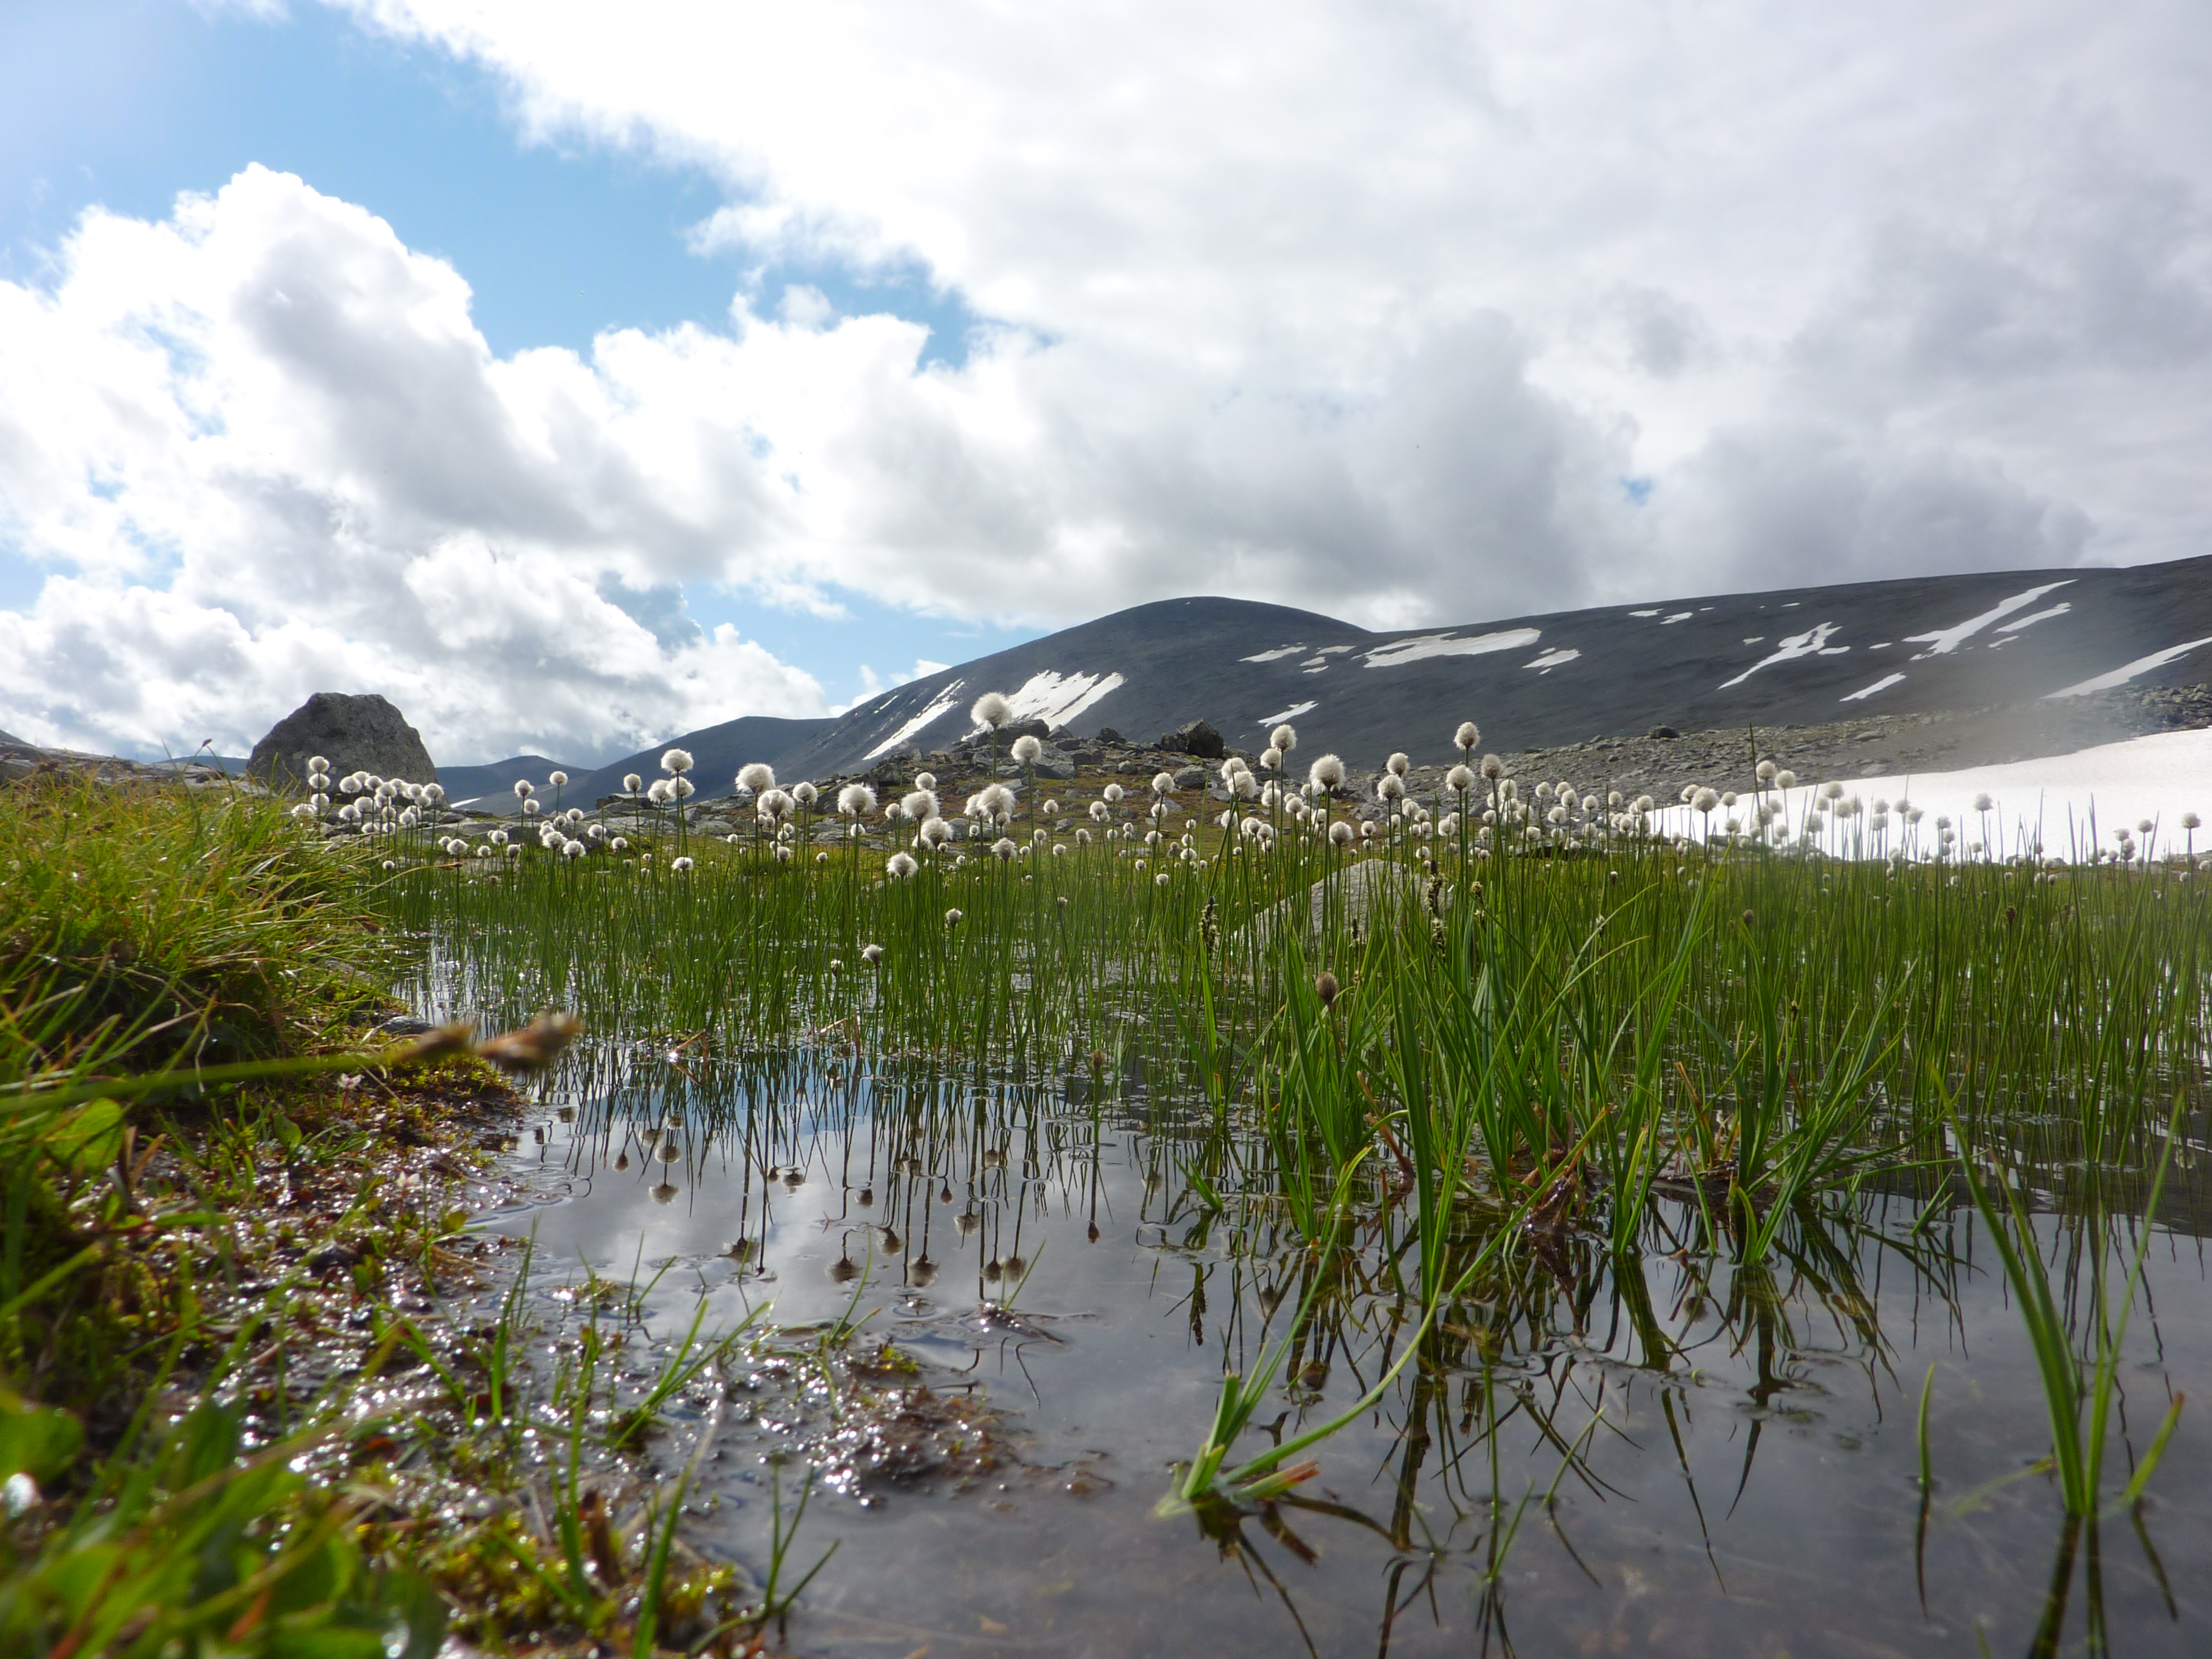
(991, 709)
(1983, 803)
(1027, 750)
(871, 954)
(1785, 778)
(1271, 758)
(774, 806)
(523, 790)
(572, 850)
(1390, 786)
(1459, 780)
(682, 788)
(754, 776)
(1339, 833)
(1493, 768)
(1283, 738)
(995, 800)
(1467, 737)
(1396, 766)
(556, 778)
(806, 794)
(1003, 848)
(919, 803)
(1325, 774)
(657, 793)
(676, 759)
(1112, 793)
(900, 865)
(1097, 811)
(530, 808)
(318, 763)
(2191, 820)
(632, 783)
(856, 800)
(1766, 770)
(935, 832)
(952, 918)
(680, 865)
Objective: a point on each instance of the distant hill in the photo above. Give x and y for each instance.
(1796, 656)
(465, 782)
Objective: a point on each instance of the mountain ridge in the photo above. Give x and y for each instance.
(1791, 656)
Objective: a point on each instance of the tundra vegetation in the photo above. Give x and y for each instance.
(1439, 1084)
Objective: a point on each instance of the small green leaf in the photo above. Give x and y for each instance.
(37, 1440)
(88, 1138)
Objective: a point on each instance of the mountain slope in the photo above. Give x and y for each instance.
(1799, 657)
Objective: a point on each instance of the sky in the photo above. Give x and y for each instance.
(577, 375)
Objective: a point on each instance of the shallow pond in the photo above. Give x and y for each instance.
(1693, 1458)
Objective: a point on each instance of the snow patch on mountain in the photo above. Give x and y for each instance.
(1945, 640)
(1423, 647)
(1866, 691)
(1057, 699)
(2127, 671)
(937, 705)
(1814, 642)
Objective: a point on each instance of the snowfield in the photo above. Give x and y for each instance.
(2062, 804)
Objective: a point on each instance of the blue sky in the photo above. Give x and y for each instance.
(123, 104)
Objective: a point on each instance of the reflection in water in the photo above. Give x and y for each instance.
(1672, 1453)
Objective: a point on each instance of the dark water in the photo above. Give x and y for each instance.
(1694, 1459)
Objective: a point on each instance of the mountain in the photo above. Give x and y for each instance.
(1797, 656)
(465, 782)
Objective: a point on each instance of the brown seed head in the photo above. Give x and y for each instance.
(535, 1046)
(443, 1043)
(1326, 987)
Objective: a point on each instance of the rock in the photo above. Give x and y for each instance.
(1195, 738)
(1190, 777)
(1057, 767)
(355, 734)
(1108, 734)
(1662, 731)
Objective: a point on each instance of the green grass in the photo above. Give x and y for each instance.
(1411, 1080)
(1467, 1050)
(206, 1233)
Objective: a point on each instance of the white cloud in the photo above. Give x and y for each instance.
(1966, 249)
(269, 454)
(1417, 314)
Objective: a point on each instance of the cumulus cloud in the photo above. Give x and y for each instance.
(269, 454)
(1697, 224)
(1416, 314)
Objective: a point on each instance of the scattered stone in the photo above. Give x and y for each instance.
(354, 733)
(1662, 733)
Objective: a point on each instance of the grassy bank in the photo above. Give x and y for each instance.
(258, 1392)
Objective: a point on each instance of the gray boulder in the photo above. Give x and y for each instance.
(355, 734)
(1195, 738)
